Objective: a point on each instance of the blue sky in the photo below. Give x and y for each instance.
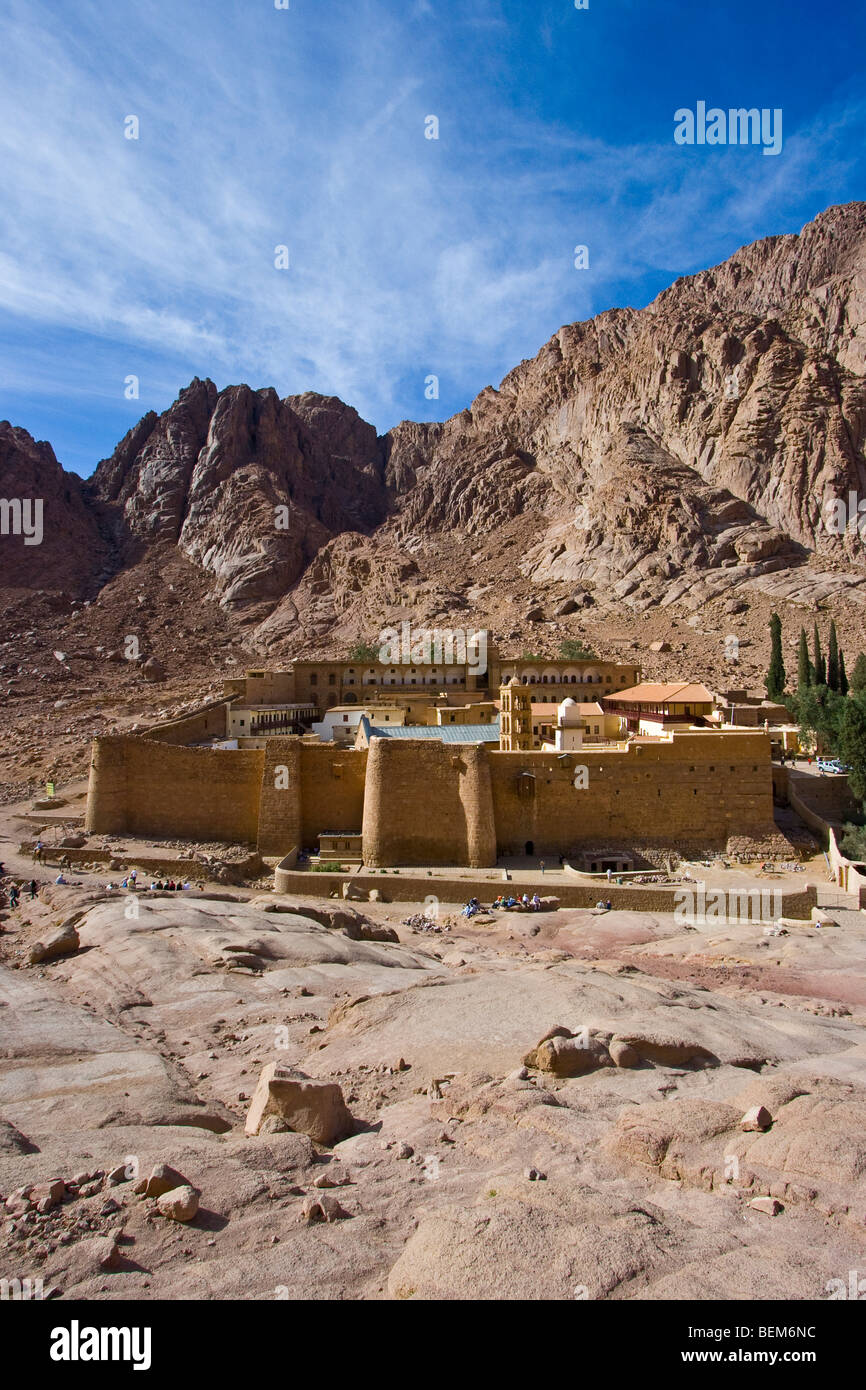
(408, 257)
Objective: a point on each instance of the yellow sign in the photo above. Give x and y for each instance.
(49, 788)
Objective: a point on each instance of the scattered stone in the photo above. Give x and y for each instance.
(768, 1205)
(46, 1195)
(404, 1150)
(17, 1205)
(322, 1208)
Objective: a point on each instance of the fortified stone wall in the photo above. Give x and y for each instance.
(307, 790)
(698, 789)
(144, 787)
(332, 790)
(428, 803)
(420, 802)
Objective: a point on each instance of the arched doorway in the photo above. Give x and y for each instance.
(529, 847)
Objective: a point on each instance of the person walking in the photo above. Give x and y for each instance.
(33, 888)
(542, 865)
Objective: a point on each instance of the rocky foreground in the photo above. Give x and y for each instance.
(219, 1096)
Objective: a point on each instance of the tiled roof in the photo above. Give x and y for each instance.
(653, 693)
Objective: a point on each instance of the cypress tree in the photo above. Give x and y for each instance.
(804, 665)
(833, 658)
(775, 681)
(858, 675)
(852, 746)
(843, 679)
(818, 662)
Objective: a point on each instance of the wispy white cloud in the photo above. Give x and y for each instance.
(260, 128)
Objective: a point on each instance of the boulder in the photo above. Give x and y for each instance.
(756, 1118)
(567, 1056)
(308, 1106)
(63, 942)
(103, 1253)
(622, 1054)
(162, 1179)
(153, 669)
(179, 1204)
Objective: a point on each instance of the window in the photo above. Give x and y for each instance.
(345, 718)
(607, 678)
(332, 679)
(314, 679)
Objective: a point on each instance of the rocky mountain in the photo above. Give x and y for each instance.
(668, 464)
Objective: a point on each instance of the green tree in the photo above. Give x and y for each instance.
(363, 651)
(858, 675)
(853, 842)
(776, 674)
(833, 658)
(820, 711)
(804, 665)
(843, 678)
(852, 745)
(818, 663)
(572, 649)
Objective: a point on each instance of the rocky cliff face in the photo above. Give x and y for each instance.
(645, 461)
(51, 537)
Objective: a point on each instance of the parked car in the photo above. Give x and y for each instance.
(832, 766)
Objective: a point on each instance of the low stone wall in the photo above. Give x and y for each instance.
(153, 865)
(208, 721)
(411, 889)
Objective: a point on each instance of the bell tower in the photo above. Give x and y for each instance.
(515, 717)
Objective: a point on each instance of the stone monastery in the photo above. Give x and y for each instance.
(400, 765)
